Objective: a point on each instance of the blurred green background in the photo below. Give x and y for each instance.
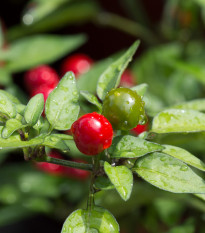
(170, 60)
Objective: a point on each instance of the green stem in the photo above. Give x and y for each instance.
(127, 26)
(82, 166)
(92, 190)
(90, 202)
(3, 117)
(50, 129)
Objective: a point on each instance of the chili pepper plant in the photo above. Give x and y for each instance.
(104, 137)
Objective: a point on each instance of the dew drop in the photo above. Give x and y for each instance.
(2, 102)
(28, 19)
(163, 159)
(143, 119)
(125, 122)
(75, 93)
(184, 168)
(53, 139)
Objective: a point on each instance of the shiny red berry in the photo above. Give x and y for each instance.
(43, 89)
(92, 133)
(127, 79)
(139, 129)
(41, 75)
(78, 64)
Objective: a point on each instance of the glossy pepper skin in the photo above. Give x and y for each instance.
(41, 75)
(78, 64)
(139, 129)
(92, 133)
(43, 89)
(124, 108)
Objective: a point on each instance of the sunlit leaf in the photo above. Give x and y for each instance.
(110, 78)
(168, 173)
(99, 219)
(184, 156)
(177, 120)
(55, 141)
(62, 106)
(88, 81)
(11, 97)
(14, 141)
(140, 89)
(103, 183)
(122, 179)
(34, 109)
(11, 126)
(75, 12)
(40, 49)
(198, 105)
(7, 106)
(92, 99)
(5, 76)
(132, 147)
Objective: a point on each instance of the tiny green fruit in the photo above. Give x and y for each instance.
(124, 108)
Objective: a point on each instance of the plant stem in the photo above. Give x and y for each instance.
(82, 166)
(90, 202)
(127, 26)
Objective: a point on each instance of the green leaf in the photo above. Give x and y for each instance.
(176, 120)
(20, 108)
(198, 105)
(11, 126)
(98, 219)
(170, 211)
(35, 50)
(38, 204)
(168, 173)
(14, 141)
(15, 90)
(184, 156)
(132, 147)
(103, 183)
(110, 78)
(122, 179)
(41, 10)
(75, 12)
(34, 109)
(153, 104)
(188, 227)
(11, 97)
(201, 196)
(140, 89)
(42, 126)
(196, 70)
(92, 99)
(5, 77)
(200, 2)
(7, 106)
(62, 106)
(38, 183)
(55, 141)
(88, 81)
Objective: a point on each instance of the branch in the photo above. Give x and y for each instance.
(66, 163)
